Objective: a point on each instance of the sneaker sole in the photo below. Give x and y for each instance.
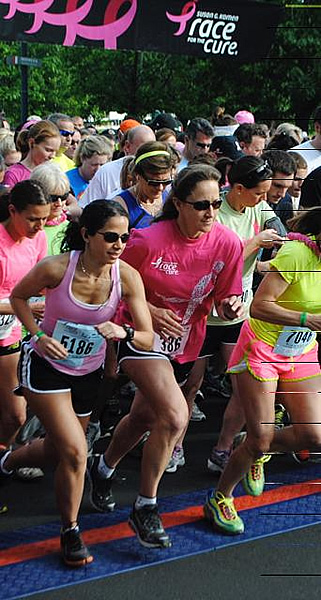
(219, 528)
(213, 467)
(165, 544)
(174, 468)
(78, 563)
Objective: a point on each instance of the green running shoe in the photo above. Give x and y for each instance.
(253, 482)
(221, 512)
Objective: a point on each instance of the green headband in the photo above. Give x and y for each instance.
(150, 154)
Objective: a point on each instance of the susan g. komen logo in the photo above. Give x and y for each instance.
(212, 30)
(168, 267)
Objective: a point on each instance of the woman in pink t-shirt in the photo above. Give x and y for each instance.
(187, 262)
(37, 143)
(22, 244)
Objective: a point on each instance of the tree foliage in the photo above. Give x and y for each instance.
(284, 86)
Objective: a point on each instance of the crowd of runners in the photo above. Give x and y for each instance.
(169, 256)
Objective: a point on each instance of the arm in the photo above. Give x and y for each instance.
(134, 294)
(264, 304)
(47, 273)
(267, 238)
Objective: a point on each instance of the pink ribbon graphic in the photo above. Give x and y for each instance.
(183, 17)
(108, 32)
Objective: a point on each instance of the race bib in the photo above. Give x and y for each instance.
(292, 342)
(247, 289)
(79, 340)
(172, 347)
(7, 322)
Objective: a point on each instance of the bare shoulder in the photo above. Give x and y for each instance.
(53, 268)
(129, 276)
(121, 201)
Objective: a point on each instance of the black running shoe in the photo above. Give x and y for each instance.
(148, 526)
(74, 551)
(101, 495)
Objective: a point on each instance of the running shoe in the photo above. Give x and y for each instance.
(147, 524)
(221, 512)
(100, 495)
(217, 460)
(3, 508)
(4, 453)
(74, 552)
(197, 414)
(92, 435)
(177, 460)
(217, 385)
(281, 416)
(254, 480)
(302, 456)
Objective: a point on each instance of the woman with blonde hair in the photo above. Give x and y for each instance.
(92, 152)
(38, 143)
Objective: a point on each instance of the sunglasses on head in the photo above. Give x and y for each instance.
(204, 204)
(56, 197)
(112, 236)
(66, 133)
(202, 145)
(157, 182)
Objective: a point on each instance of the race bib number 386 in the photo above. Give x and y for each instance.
(171, 346)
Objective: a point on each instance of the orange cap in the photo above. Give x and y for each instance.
(128, 124)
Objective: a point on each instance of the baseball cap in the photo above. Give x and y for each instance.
(244, 116)
(128, 124)
(226, 145)
(165, 120)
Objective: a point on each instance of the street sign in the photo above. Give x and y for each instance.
(23, 61)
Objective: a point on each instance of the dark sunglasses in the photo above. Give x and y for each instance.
(201, 145)
(112, 236)
(66, 133)
(204, 204)
(56, 197)
(157, 182)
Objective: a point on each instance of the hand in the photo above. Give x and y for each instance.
(231, 308)
(52, 348)
(269, 238)
(110, 331)
(38, 310)
(313, 322)
(166, 322)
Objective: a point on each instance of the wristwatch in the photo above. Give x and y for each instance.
(130, 332)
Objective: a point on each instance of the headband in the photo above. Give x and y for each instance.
(150, 154)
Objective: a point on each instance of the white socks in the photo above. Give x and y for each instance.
(103, 470)
(144, 501)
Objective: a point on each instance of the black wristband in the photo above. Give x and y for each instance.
(130, 332)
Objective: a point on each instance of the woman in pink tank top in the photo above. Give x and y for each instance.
(60, 367)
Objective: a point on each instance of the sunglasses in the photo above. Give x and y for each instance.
(56, 197)
(111, 236)
(66, 133)
(204, 204)
(157, 182)
(201, 145)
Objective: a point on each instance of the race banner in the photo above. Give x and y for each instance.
(240, 30)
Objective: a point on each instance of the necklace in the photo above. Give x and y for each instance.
(82, 266)
(153, 208)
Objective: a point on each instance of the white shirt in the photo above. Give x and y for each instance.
(310, 154)
(104, 184)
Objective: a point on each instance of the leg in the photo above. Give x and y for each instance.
(304, 406)
(65, 444)
(258, 405)
(166, 419)
(12, 408)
